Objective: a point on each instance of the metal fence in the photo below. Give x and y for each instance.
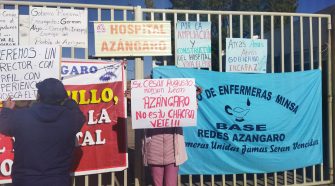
(296, 42)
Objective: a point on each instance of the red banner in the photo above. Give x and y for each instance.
(6, 158)
(102, 139)
(98, 87)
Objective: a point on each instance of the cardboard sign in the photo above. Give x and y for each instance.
(9, 27)
(132, 38)
(193, 44)
(246, 55)
(160, 103)
(21, 67)
(56, 26)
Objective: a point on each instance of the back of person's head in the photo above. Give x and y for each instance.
(51, 91)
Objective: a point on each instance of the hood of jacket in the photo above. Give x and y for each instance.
(47, 112)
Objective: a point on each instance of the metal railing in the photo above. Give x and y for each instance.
(296, 42)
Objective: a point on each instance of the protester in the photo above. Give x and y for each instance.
(44, 136)
(163, 150)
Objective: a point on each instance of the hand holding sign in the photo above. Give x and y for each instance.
(9, 103)
(160, 103)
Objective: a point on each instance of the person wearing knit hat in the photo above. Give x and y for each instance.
(51, 91)
(44, 136)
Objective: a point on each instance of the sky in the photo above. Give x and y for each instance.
(311, 6)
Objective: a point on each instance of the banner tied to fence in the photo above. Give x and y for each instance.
(245, 119)
(98, 87)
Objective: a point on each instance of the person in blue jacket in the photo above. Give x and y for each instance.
(45, 135)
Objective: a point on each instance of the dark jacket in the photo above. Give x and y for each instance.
(44, 142)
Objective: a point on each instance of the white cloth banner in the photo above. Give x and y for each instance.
(74, 71)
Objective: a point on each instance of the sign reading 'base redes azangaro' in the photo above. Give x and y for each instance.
(253, 123)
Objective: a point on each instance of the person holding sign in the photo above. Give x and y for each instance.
(163, 150)
(44, 136)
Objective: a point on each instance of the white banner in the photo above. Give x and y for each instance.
(9, 27)
(56, 26)
(22, 67)
(162, 103)
(132, 38)
(74, 71)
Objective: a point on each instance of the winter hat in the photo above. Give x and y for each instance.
(51, 91)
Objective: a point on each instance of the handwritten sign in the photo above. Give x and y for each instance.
(246, 55)
(193, 44)
(56, 26)
(132, 38)
(23, 66)
(9, 27)
(160, 103)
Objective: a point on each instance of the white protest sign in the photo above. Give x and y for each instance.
(161, 103)
(9, 27)
(21, 67)
(246, 55)
(193, 44)
(56, 26)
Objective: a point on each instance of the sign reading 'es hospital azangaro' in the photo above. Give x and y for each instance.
(132, 39)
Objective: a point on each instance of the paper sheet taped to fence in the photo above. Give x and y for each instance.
(58, 26)
(150, 38)
(161, 103)
(9, 27)
(245, 119)
(98, 87)
(246, 55)
(193, 44)
(21, 67)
